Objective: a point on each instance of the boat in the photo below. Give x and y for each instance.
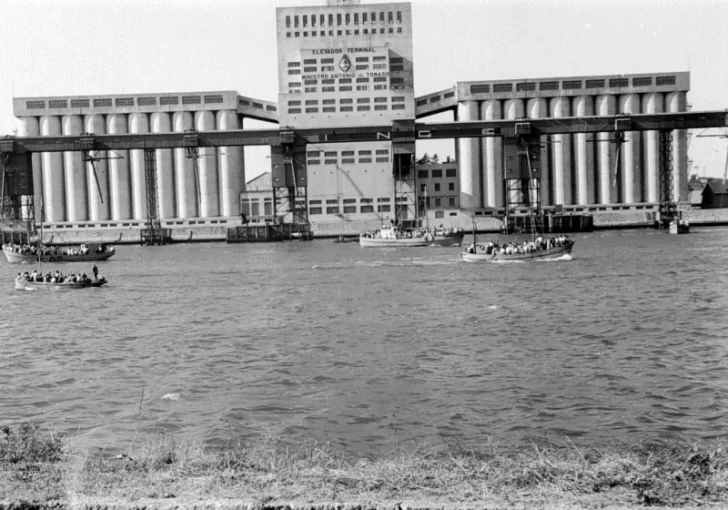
(537, 250)
(347, 239)
(447, 238)
(22, 283)
(390, 236)
(679, 226)
(89, 252)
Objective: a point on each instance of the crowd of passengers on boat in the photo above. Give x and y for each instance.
(31, 249)
(56, 277)
(511, 248)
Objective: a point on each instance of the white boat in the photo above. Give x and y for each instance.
(78, 253)
(481, 253)
(393, 237)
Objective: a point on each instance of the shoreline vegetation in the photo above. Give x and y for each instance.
(41, 469)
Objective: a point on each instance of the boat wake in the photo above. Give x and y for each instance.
(384, 263)
(565, 256)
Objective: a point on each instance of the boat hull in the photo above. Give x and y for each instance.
(372, 242)
(29, 258)
(551, 253)
(23, 284)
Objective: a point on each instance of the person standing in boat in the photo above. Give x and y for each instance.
(96, 272)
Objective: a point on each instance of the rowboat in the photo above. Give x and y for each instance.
(481, 253)
(78, 253)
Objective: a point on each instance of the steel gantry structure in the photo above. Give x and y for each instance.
(288, 148)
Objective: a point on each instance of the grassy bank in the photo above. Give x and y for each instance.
(39, 467)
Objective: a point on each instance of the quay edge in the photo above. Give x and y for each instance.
(216, 230)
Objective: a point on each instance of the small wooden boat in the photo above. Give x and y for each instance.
(541, 254)
(25, 284)
(447, 239)
(91, 253)
(392, 237)
(346, 239)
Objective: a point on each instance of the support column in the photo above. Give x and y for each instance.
(184, 170)
(652, 103)
(469, 153)
(677, 102)
(630, 154)
(492, 154)
(119, 178)
(606, 106)
(162, 123)
(584, 153)
(231, 162)
(98, 180)
(54, 200)
(537, 108)
(561, 152)
(207, 164)
(29, 126)
(75, 173)
(138, 123)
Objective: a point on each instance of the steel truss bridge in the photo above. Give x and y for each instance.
(288, 148)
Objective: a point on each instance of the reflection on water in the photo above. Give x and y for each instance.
(365, 347)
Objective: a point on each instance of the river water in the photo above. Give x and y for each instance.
(367, 348)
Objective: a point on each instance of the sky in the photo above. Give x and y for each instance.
(86, 47)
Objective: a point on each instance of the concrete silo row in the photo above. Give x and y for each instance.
(72, 191)
(577, 169)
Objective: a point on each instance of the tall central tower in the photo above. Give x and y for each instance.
(346, 64)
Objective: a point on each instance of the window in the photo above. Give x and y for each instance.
(363, 108)
(349, 209)
(397, 107)
(383, 208)
(332, 210)
(327, 60)
(347, 17)
(390, 17)
(288, 22)
(436, 174)
(450, 172)
(310, 89)
(451, 186)
(399, 16)
(338, 20)
(438, 203)
(315, 210)
(422, 174)
(362, 80)
(294, 71)
(347, 88)
(294, 110)
(362, 88)
(345, 80)
(356, 18)
(295, 103)
(295, 21)
(367, 209)
(380, 107)
(364, 18)
(309, 69)
(451, 201)
(305, 20)
(347, 100)
(329, 109)
(379, 66)
(328, 89)
(362, 100)
(311, 110)
(346, 109)
(437, 186)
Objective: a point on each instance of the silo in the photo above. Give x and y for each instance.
(652, 103)
(677, 102)
(98, 209)
(492, 153)
(207, 169)
(469, 159)
(138, 123)
(561, 155)
(606, 106)
(162, 123)
(75, 173)
(29, 126)
(537, 108)
(231, 162)
(586, 176)
(119, 177)
(184, 171)
(630, 153)
(53, 183)
(514, 109)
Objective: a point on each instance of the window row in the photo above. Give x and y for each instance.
(424, 174)
(330, 33)
(437, 187)
(350, 209)
(344, 100)
(295, 89)
(332, 109)
(347, 18)
(333, 154)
